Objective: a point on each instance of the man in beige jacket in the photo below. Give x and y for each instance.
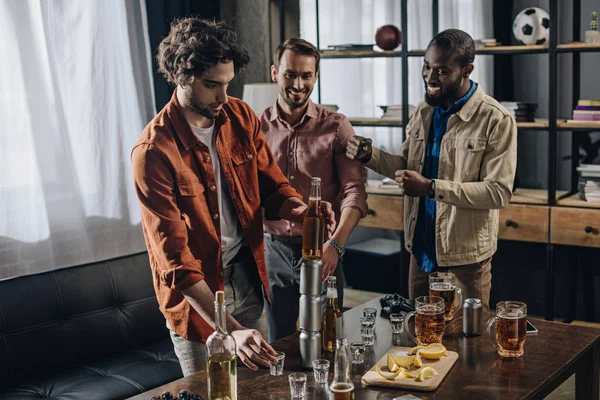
(456, 167)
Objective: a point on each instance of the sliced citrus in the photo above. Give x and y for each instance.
(426, 373)
(387, 375)
(392, 366)
(402, 359)
(434, 351)
(414, 350)
(405, 374)
(418, 363)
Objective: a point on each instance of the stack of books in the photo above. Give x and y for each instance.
(395, 111)
(523, 112)
(587, 110)
(589, 182)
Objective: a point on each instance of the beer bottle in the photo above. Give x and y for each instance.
(331, 325)
(313, 234)
(221, 358)
(341, 386)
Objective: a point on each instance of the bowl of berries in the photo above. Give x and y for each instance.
(183, 395)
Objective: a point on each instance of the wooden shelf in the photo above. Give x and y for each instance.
(375, 122)
(569, 125)
(539, 123)
(497, 50)
(574, 201)
(577, 48)
(530, 196)
(359, 54)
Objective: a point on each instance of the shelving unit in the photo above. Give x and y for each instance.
(539, 203)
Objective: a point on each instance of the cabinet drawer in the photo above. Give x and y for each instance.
(385, 211)
(575, 226)
(524, 223)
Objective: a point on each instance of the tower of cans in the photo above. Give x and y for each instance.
(310, 311)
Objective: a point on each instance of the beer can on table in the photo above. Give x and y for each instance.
(310, 277)
(472, 317)
(310, 347)
(310, 314)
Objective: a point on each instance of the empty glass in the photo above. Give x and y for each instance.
(358, 352)
(367, 331)
(277, 369)
(297, 385)
(321, 370)
(397, 322)
(370, 313)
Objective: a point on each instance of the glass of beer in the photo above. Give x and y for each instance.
(429, 320)
(511, 328)
(443, 284)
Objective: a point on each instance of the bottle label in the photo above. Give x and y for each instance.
(331, 293)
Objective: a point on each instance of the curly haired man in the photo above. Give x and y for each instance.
(203, 173)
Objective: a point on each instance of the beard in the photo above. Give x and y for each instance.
(446, 95)
(291, 102)
(199, 107)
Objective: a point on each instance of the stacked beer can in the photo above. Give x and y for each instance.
(310, 311)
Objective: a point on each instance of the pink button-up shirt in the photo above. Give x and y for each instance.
(315, 146)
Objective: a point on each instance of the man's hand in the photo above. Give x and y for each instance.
(412, 183)
(328, 217)
(359, 148)
(250, 346)
(329, 259)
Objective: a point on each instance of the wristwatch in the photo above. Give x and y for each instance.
(338, 247)
(431, 189)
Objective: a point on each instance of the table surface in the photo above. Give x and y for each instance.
(550, 357)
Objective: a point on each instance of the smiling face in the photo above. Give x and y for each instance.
(207, 94)
(445, 79)
(295, 77)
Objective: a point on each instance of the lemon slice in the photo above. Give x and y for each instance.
(418, 363)
(402, 359)
(389, 376)
(414, 350)
(392, 366)
(433, 352)
(426, 373)
(405, 374)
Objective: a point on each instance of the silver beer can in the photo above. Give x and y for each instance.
(310, 277)
(310, 313)
(472, 318)
(310, 347)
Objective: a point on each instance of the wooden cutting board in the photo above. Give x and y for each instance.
(442, 366)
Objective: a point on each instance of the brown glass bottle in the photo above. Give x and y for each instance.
(313, 233)
(332, 317)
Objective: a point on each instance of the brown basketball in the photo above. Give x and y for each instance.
(388, 37)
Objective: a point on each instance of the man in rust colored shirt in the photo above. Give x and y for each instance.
(203, 173)
(307, 141)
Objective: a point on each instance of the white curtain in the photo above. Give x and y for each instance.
(358, 86)
(75, 92)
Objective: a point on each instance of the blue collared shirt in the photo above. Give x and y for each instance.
(424, 239)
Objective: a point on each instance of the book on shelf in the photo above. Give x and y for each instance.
(387, 183)
(589, 182)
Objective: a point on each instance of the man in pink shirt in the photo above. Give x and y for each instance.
(307, 141)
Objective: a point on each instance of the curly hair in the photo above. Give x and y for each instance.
(194, 46)
(459, 41)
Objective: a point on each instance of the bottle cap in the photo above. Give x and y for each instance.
(315, 179)
(220, 298)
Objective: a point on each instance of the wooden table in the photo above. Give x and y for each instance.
(558, 351)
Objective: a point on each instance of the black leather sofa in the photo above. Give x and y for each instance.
(84, 333)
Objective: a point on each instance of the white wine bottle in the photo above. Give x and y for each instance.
(221, 358)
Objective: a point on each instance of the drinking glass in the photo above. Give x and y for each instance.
(443, 284)
(397, 322)
(297, 385)
(358, 352)
(277, 368)
(511, 328)
(321, 370)
(429, 320)
(370, 313)
(367, 331)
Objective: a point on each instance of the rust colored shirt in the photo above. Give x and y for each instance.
(176, 186)
(315, 146)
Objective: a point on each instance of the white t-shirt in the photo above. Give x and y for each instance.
(231, 231)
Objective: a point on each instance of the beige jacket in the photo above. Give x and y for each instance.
(478, 159)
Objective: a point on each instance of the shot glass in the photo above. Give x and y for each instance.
(397, 322)
(358, 352)
(297, 385)
(367, 331)
(321, 370)
(370, 313)
(277, 369)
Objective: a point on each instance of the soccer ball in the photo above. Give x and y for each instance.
(532, 26)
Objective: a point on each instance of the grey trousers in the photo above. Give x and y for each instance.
(284, 258)
(244, 297)
(475, 280)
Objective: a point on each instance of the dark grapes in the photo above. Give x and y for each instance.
(183, 395)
